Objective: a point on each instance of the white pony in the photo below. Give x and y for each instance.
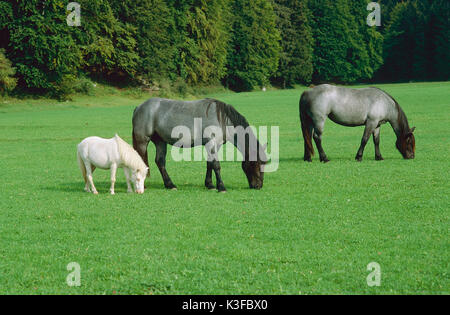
(95, 152)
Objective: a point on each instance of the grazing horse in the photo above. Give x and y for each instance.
(156, 119)
(95, 152)
(369, 107)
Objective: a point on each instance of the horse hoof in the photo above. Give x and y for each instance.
(223, 192)
(174, 189)
(379, 158)
(95, 192)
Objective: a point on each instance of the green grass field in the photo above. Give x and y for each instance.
(313, 229)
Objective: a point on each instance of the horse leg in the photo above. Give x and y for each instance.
(86, 182)
(140, 144)
(113, 178)
(318, 131)
(160, 160)
(219, 182)
(212, 148)
(367, 132)
(127, 176)
(89, 171)
(87, 188)
(376, 141)
(208, 180)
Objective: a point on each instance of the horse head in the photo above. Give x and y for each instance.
(406, 144)
(254, 168)
(138, 178)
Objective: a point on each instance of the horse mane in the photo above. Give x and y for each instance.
(401, 118)
(225, 111)
(129, 156)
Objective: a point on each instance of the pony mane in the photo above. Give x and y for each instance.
(401, 118)
(129, 156)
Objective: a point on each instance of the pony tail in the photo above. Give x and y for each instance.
(307, 125)
(82, 166)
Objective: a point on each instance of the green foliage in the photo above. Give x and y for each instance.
(439, 40)
(109, 45)
(6, 15)
(254, 47)
(400, 39)
(416, 45)
(84, 85)
(201, 40)
(387, 9)
(41, 46)
(155, 30)
(243, 44)
(341, 42)
(7, 72)
(62, 89)
(205, 51)
(372, 39)
(296, 58)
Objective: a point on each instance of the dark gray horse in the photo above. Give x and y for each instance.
(370, 107)
(158, 120)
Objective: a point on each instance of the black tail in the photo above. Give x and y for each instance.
(135, 143)
(307, 127)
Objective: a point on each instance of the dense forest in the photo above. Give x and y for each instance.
(241, 44)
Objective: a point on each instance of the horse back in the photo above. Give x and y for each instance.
(347, 106)
(161, 116)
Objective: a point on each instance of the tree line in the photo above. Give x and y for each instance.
(241, 44)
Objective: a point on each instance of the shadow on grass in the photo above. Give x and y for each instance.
(121, 188)
(78, 187)
(315, 158)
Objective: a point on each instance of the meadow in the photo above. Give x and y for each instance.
(312, 229)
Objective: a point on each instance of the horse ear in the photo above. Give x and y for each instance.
(411, 132)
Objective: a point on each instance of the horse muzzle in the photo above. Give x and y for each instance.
(256, 186)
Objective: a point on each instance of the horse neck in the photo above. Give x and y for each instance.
(399, 122)
(244, 147)
(126, 156)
